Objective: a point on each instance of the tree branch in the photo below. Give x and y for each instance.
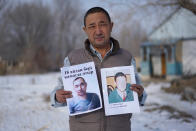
(188, 4)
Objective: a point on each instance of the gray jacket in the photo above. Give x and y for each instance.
(97, 121)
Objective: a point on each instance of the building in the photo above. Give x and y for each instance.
(171, 49)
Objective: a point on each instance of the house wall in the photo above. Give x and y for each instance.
(174, 67)
(153, 65)
(145, 67)
(179, 26)
(189, 57)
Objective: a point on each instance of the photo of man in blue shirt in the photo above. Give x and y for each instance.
(83, 101)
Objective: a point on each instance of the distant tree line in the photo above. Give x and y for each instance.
(36, 35)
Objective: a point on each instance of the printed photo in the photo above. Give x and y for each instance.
(119, 88)
(83, 100)
(82, 81)
(117, 94)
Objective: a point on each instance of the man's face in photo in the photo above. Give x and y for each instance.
(80, 87)
(121, 83)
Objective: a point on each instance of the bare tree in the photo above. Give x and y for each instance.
(135, 5)
(131, 36)
(38, 36)
(188, 4)
(2, 4)
(28, 33)
(68, 27)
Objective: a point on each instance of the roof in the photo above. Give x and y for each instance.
(179, 25)
(160, 42)
(164, 21)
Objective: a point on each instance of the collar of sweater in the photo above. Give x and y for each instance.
(116, 46)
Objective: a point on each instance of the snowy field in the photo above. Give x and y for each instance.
(25, 106)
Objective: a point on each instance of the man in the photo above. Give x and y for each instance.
(105, 52)
(83, 101)
(122, 92)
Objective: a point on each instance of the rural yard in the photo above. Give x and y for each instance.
(25, 106)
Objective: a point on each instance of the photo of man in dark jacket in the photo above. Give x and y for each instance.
(122, 92)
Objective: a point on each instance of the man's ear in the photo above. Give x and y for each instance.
(111, 25)
(84, 29)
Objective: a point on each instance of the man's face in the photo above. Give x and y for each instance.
(98, 29)
(121, 83)
(80, 87)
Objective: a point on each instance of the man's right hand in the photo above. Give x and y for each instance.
(62, 95)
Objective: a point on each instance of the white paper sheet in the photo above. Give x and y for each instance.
(114, 101)
(85, 89)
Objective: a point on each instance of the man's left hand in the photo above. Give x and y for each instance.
(137, 88)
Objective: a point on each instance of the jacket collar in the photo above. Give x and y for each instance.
(116, 46)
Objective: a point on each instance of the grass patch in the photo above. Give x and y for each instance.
(174, 113)
(46, 98)
(185, 87)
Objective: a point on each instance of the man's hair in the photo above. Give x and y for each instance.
(79, 78)
(119, 74)
(96, 10)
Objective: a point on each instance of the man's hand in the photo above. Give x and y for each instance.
(137, 88)
(62, 95)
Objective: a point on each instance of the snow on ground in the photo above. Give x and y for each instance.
(164, 112)
(25, 106)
